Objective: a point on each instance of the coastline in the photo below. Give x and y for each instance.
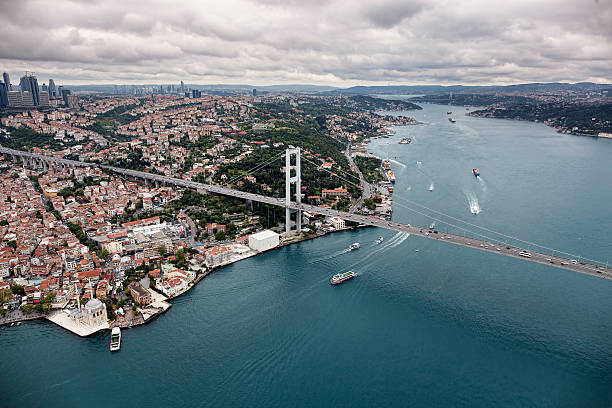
(52, 315)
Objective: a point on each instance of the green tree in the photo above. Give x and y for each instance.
(161, 250)
(5, 296)
(4, 223)
(104, 254)
(220, 235)
(12, 244)
(180, 259)
(18, 290)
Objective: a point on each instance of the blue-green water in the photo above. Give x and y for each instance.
(445, 326)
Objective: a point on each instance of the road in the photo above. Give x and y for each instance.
(366, 187)
(599, 271)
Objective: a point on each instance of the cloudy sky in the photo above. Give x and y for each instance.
(327, 42)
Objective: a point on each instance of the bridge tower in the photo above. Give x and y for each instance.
(289, 180)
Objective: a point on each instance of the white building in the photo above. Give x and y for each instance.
(264, 240)
(337, 223)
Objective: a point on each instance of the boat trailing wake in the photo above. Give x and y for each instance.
(473, 203)
(398, 163)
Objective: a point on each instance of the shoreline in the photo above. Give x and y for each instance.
(199, 277)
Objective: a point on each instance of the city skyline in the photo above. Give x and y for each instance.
(320, 43)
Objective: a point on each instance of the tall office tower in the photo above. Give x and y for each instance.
(27, 99)
(182, 87)
(3, 96)
(254, 92)
(52, 90)
(7, 82)
(65, 93)
(44, 98)
(15, 99)
(29, 83)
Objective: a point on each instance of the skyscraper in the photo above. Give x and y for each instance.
(3, 95)
(52, 90)
(7, 82)
(65, 93)
(182, 87)
(29, 83)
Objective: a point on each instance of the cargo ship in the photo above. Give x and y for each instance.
(341, 277)
(115, 341)
(391, 176)
(476, 173)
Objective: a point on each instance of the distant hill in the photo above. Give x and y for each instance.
(437, 89)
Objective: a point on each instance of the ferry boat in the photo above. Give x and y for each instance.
(379, 240)
(452, 120)
(115, 341)
(341, 277)
(476, 173)
(405, 140)
(354, 246)
(391, 176)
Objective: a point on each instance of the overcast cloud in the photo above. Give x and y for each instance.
(334, 42)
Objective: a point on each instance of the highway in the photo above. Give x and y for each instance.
(599, 271)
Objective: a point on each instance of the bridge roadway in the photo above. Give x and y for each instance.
(599, 271)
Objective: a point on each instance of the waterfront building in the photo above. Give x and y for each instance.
(337, 223)
(264, 240)
(140, 294)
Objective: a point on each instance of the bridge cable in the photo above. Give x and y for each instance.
(256, 168)
(499, 233)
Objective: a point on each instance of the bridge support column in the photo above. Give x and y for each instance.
(297, 179)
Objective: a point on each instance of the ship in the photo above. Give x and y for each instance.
(391, 176)
(115, 341)
(379, 240)
(452, 120)
(386, 164)
(341, 277)
(449, 112)
(476, 173)
(354, 246)
(431, 187)
(390, 189)
(405, 140)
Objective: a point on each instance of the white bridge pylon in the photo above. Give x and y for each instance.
(289, 180)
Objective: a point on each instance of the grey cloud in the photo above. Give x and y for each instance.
(337, 42)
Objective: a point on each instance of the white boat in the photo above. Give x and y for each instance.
(18, 323)
(379, 240)
(354, 246)
(431, 187)
(432, 225)
(115, 342)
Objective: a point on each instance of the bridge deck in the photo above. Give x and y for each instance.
(599, 271)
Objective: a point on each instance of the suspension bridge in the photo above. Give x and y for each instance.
(484, 239)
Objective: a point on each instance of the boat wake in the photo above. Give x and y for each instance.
(473, 203)
(398, 163)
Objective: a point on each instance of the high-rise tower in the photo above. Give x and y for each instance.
(29, 83)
